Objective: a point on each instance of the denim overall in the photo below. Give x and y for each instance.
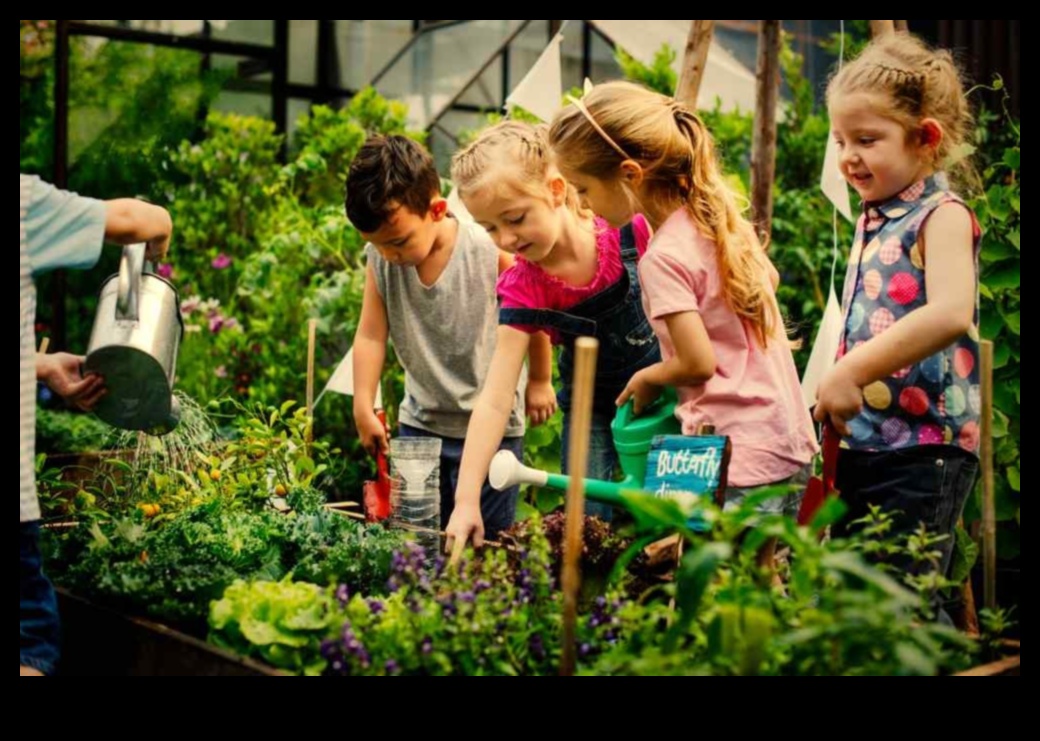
(627, 344)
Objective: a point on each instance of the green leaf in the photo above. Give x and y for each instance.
(538, 437)
(1001, 355)
(549, 500)
(1007, 501)
(1013, 158)
(1006, 275)
(915, 662)
(654, 513)
(695, 575)
(853, 565)
(965, 555)
(524, 511)
(1015, 237)
(996, 198)
(995, 250)
(1014, 322)
(1000, 424)
(991, 324)
(1014, 478)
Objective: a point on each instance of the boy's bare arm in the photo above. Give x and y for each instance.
(369, 357)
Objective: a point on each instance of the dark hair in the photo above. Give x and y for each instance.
(389, 171)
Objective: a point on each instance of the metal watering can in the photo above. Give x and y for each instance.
(133, 346)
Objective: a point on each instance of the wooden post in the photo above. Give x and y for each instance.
(585, 352)
(989, 502)
(903, 26)
(312, 335)
(880, 28)
(763, 149)
(695, 60)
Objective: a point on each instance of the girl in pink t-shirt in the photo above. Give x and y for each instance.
(708, 287)
(574, 276)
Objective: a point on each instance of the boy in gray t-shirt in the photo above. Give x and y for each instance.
(430, 289)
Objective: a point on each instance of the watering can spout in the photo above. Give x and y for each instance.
(506, 472)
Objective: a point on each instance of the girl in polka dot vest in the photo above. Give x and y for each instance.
(904, 394)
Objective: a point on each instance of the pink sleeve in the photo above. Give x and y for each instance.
(516, 290)
(642, 232)
(669, 285)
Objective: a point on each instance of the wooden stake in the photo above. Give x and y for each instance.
(312, 336)
(45, 344)
(989, 502)
(695, 61)
(763, 148)
(903, 26)
(880, 28)
(585, 351)
(1007, 667)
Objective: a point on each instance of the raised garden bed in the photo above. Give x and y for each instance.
(100, 642)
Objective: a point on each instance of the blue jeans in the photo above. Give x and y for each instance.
(497, 508)
(603, 458)
(788, 504)
(38, 606)
(926, 485)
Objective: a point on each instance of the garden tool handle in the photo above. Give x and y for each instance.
(131, 265)
(456, 552)
(831, 449)
(381, 462)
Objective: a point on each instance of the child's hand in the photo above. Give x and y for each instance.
(838, 399)
(641, 390)
(465, 524)
(156, 249)
(373, 434)
(540, 401)
(61, 373)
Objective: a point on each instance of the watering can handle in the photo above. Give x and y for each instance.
(131, 266)
(627, 412)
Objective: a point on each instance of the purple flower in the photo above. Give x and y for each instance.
(585, 650)
(537, 647)
(468, 597)
(343, 595)
(427, 646)
(376, 606)
(392, 667)
(221, 262)
(216, 323)
(190, 305)
(165, 270)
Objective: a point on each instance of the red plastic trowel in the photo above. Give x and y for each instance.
(377, 493)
